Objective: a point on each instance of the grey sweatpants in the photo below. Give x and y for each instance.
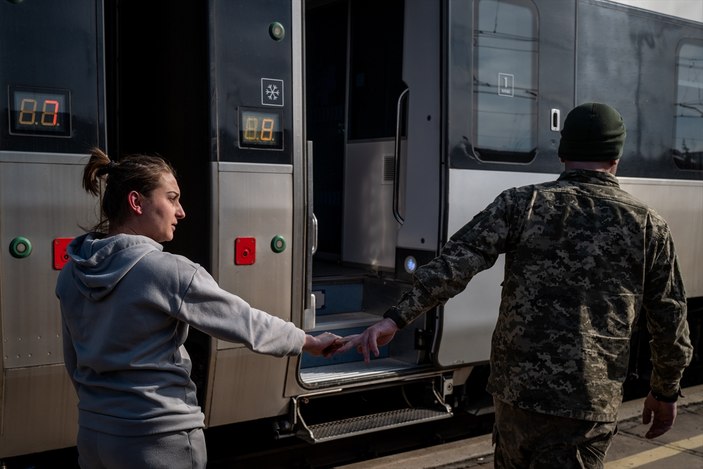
(174, 450)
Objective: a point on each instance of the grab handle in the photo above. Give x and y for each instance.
(402, 99)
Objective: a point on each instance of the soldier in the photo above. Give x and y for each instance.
(583, 257)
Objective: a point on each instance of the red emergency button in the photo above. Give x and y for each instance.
(60, 254)
(244, 251)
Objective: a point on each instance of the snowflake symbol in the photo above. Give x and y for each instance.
(272, 92)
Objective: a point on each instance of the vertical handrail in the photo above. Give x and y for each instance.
(396, 173)
(312, 219)
(313, 249)
(309, 319)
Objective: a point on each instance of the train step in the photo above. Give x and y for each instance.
(322, 432)
(336, 425)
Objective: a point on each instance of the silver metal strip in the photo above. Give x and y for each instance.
(30, 157)
(230, 167)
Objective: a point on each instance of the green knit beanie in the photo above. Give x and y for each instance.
(592, 132)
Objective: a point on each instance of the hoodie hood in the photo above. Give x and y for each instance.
(98, 264)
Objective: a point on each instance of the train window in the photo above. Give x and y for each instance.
(688, 112)
(505, 81)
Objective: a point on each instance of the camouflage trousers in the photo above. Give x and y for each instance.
(525, 439)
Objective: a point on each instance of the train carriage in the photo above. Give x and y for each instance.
(325, 149)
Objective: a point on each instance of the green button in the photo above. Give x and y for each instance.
(277, 31)
(20, 247)
(278, 244)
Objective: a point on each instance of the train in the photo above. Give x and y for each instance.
(325, 149)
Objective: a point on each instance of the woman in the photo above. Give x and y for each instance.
(126, 306)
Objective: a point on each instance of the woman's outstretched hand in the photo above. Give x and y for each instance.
(323, 344)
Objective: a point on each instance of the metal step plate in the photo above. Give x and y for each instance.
(371, 423)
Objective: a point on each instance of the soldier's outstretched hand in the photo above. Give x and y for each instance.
(371, 339)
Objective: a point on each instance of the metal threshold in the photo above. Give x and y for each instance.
(356, 371)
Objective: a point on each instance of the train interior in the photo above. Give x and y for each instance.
(353, 79)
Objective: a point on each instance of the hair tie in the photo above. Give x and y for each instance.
(107, 169)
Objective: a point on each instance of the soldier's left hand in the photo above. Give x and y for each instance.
(661, 414)
(371, 339)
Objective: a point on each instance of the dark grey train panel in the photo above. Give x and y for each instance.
(252, 81)
(50, 78)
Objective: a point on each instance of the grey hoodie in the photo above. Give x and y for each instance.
(126, 306)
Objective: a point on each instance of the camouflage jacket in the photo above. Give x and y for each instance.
(582, 258)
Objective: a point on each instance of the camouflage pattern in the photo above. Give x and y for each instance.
(527, 439)
(583, 257)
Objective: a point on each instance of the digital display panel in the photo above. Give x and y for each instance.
(35, 111)
(260, 129)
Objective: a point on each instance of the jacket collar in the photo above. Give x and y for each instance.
(590, 177)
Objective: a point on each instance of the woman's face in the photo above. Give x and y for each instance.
(161, 210)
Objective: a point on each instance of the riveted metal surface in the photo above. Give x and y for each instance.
(368, 423)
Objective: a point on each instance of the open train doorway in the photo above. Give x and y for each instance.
(354, 80)
(361, 63)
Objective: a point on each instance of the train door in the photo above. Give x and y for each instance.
(258, 189)
(51, 114)
(372, 115)
(510, 83)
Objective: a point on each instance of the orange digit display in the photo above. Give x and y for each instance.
(260, 129)
(50, 112)
(267, 129)
(36, 111)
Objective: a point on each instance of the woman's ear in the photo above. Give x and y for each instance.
(135, 202)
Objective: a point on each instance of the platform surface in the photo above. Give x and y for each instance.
(680, 448)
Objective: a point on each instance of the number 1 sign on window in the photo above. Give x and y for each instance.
(506, 84)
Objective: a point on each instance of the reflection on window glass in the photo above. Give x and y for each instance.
(505, 81)
(688, 115)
